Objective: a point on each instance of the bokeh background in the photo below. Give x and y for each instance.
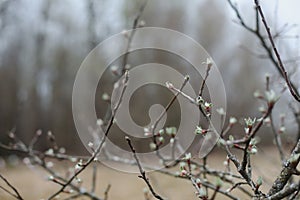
(43, 43)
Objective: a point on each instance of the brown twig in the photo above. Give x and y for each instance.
(283, 71)
(123, 68)
(276, 61)
(186, 79)
(208, 67)
(98, 150)
(287, 171)
(286, 192)
(159, 118)
(106, 191)
(130, 37)
(39, 158)
(17, 195)
(277, 140)
(142, 171)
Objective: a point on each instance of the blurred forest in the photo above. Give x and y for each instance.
(42, 44)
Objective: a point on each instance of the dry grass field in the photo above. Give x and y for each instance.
(33, 183)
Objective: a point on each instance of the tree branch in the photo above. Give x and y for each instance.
(142, 171)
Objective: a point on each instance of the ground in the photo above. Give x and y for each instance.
(33, 183)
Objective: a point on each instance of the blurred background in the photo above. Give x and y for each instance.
(43, 43)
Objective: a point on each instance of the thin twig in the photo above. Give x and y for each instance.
(156, 122)
(142, 171)
(123, 68)
(216, 191)
(131, 36)
(287, 171)
(17, 195)
(291, 87)
(94, 177)
(278, 64)
(208, 67)
(98, 150)
(285, 193)
(106, 191)
(186, 79)
(277, 140)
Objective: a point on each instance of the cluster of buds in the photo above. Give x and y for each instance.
(79, 165)
(219, 183)
(146, 193)
(171, 131)
(257, 94)
(207, 106)
(208, 62)
(99, 122)
(198, 182)
(199, 100)
(232, 121)
(159, 138)
(147, 132)
(153, 146)
(160, 133)
(62, 150)
(183, 169)
(185, 165)
(227, 161)
(187, 158)
(259, 182)
(252, 149)
(267, 121)
(169, 85)
(230, 143)
(49, 152)
(249, 124)
(203, 194)
(201, 191)
(270, 96)
(92, 146)
(200, 131)
(262, 109)
(51, 178)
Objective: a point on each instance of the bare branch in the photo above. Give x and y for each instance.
(130, 37)
(286, 192)
(17, 195)
(106, 191)
(291, 87)
(287, 171)
(142, 171)
(98, 150)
